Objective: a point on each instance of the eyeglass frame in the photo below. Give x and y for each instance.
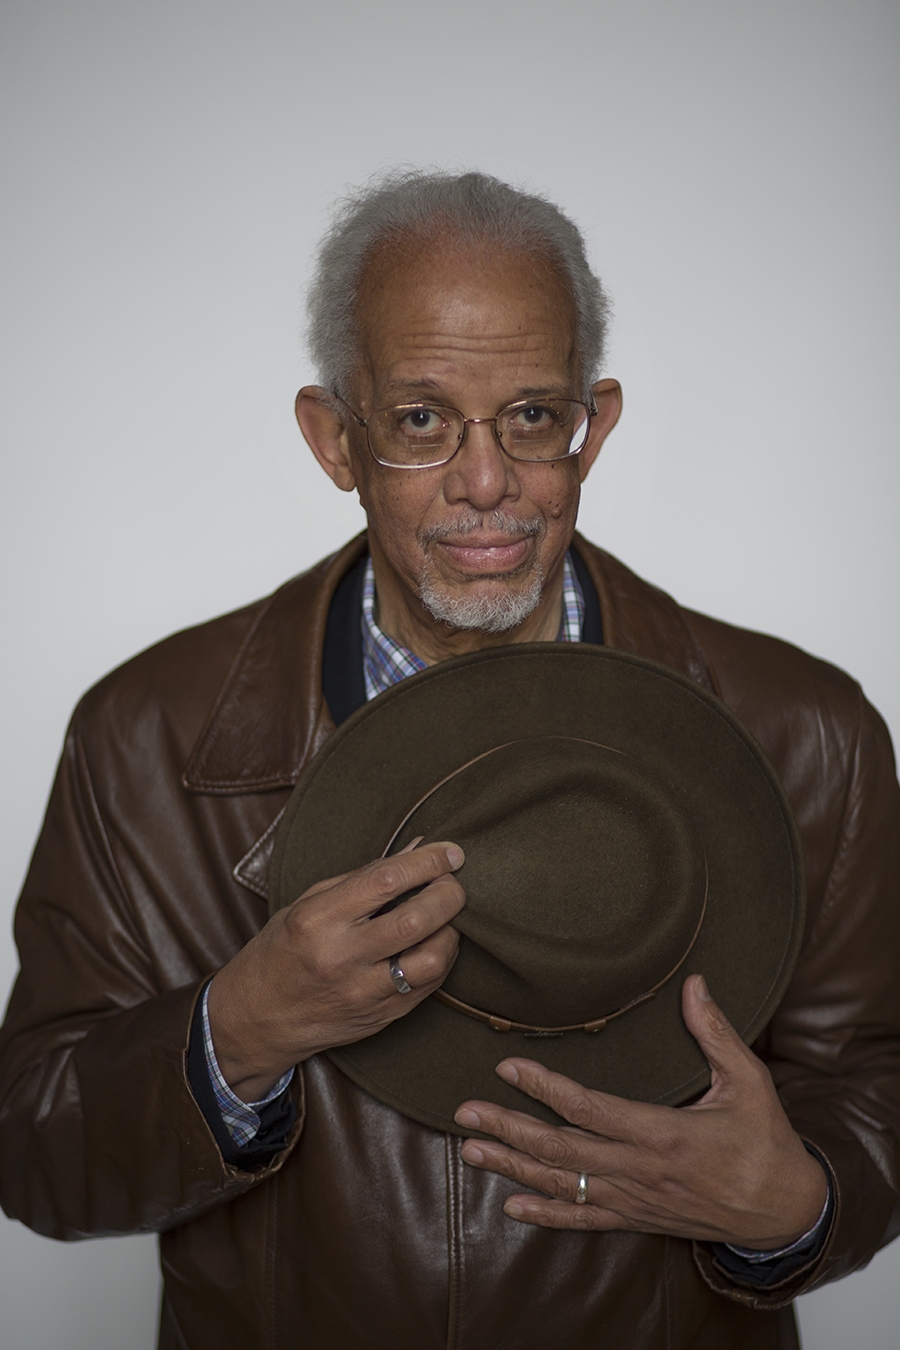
(590, 409)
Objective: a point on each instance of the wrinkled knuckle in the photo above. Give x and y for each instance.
(582, 1217)
(578, 1109)
(319, 968)
(449, 941)
(553, 1149)
(666, 1142)
(454, 890)
(321, 963)
(506, 1166)
(408, 928)
(432, 968)
(387, 881)
(555, 1183)
(297, 923)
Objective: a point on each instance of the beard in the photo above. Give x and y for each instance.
(493, 613)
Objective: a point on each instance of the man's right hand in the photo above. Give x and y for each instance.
(318, 975)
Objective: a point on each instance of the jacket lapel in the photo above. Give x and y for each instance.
(270, 717)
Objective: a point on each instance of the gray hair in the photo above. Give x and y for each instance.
(472, 208)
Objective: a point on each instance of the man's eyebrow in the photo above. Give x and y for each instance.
(544, 391)
(425, 386)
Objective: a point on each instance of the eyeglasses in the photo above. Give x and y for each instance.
(424, 435)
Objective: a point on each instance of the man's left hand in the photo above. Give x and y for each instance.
(729, 1168)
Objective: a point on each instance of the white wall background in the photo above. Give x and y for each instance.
(166, 170)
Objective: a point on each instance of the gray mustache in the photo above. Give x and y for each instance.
(500, 521)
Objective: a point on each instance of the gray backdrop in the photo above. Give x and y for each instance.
(167, 167)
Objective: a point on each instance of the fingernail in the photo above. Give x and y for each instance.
(468, 1118)
(513, 1209)
(472, 1153)
(508, 1072)
(702, 991)
(455, 856)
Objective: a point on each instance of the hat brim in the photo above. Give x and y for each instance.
(348, 803)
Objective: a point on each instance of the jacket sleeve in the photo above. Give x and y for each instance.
(99, 1131)
(833, 1047)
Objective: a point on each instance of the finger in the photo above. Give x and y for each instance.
(411, 922)
(544, 1213)
(552, 1145)
(427, 965)
(330, 882)
(587, 1109)
(356, 896)
(729, 1058)
(558, 1182)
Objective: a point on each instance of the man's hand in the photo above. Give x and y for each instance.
(317, 975)
(728, 1169)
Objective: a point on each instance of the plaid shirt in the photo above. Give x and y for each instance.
(385, 662)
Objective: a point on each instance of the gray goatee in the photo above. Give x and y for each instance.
(497, 613)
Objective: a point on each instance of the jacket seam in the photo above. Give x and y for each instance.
(454, 1240)
(851, 767)
(271, 1292)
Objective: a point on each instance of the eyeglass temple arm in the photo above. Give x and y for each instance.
(360, 421)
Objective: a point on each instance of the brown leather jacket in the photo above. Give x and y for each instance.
(367, 1231)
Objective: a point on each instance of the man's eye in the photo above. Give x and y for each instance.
(421, 422)
(535, 417)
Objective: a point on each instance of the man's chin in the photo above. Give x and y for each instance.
(496, 607)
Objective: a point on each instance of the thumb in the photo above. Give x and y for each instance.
(712, 1031)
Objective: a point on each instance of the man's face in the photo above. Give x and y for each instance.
(473, 330)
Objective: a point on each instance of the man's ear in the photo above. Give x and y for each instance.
(608, 400)
(325, 432)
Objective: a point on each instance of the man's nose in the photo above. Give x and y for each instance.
(480, 472)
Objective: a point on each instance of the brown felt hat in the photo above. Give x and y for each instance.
(622, 830)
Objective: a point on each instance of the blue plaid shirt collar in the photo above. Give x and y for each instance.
(386, 662)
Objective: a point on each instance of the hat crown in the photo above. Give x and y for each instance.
(585, 879)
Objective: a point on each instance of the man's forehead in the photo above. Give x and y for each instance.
(449, 302)
(446, 262)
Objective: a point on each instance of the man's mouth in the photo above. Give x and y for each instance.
(484, 547)
(481, 556)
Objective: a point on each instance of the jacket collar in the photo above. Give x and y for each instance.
(270, 716)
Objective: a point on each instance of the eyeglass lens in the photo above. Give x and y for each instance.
(421, 434)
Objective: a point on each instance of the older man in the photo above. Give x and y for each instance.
(458, 331)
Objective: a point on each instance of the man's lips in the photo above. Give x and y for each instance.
(486, 553)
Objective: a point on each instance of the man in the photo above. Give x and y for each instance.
(458, 332)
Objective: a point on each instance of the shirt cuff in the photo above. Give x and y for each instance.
(241, 1119)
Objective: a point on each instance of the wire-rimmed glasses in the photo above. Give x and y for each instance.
(424, 435)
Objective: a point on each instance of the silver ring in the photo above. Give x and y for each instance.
(581, 1192)
(400, 981)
